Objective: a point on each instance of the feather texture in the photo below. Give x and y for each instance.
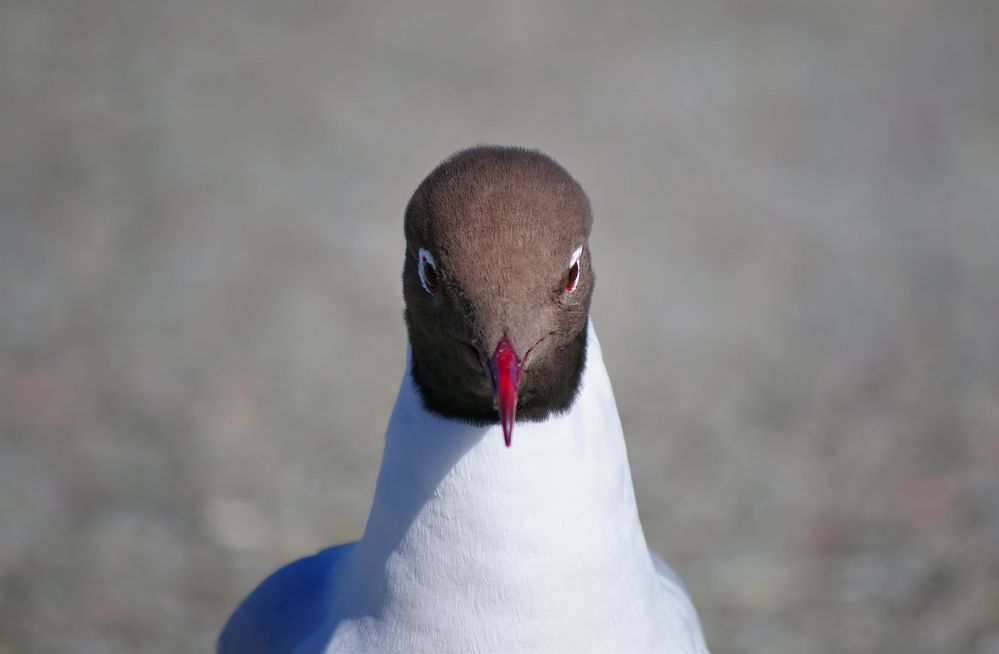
(471, 546)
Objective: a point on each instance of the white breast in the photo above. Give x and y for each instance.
(471, 546)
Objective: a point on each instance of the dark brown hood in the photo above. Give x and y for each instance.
(501, 224)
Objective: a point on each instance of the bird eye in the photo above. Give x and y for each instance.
(429, 276)
(573, 278)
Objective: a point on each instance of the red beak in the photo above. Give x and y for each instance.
(505, 368)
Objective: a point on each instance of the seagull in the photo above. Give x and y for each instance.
(478, 541)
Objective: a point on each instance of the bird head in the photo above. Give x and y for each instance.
(497, 283)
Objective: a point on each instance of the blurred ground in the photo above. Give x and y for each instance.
(797, 234)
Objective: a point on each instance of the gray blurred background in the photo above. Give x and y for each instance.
(797, 244)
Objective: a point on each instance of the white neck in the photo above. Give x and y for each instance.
(469, 530)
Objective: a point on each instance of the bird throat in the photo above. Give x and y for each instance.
(453, 384)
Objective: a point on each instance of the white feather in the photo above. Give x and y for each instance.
(471, 546)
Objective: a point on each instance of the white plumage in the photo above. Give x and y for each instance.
(471, 546)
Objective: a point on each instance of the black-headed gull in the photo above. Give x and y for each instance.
(478, 541)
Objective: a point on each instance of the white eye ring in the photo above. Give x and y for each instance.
(574, 269)
(428, 278)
